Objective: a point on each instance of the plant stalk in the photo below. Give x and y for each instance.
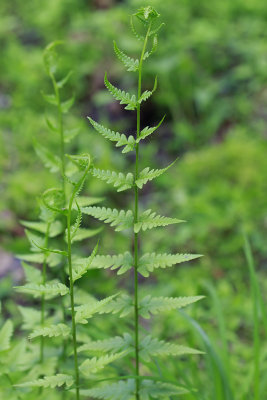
(77, 376)
(136, 209)
(43, 296)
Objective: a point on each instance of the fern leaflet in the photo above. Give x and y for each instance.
(149, 174)
(150, 220)
(121, 95)
(120, 219)
(119, 180)
(130, 63)
(49, 381)
(51, 331)
(93, 365)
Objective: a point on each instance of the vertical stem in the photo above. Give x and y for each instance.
(77, 377)
(43, 296)
(136, 246)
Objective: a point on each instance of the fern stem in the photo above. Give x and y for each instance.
(77, 377)
(61, 133)
(136, 209)
(43, 296)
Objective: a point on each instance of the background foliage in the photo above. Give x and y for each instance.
(212, 69)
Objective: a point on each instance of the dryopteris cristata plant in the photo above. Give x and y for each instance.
(141, 348)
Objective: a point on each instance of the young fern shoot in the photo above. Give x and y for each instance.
(141, 348)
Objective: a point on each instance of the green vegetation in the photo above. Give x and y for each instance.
(85, 319)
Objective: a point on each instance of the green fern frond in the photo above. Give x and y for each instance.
(86, 311)
(120, 219)
(54, 200)
(153, 49)
(116, 391)
(122, 262)
(150, 347)
(115, 344)
(155, 305)
(120, 139)
(66, 105)
(149, 174)
(118, 179)
(123, 306)
(5, 335)
(49, 381)
(157, 390)
(31, 317)
(120, 95)
(79, 270)
(50, 160)
(130, 63)
(51, 331)
(55, 228)
(84, 233)
(49, 289)
(150, 261)
(63, 81)
(93, 365)
(150, 220)
(148, 131)
(32, 274)
(147, 93)
(135, 33)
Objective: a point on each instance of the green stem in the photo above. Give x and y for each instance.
(136, 302)
(61, 133)
(77, 377)
(74, 339)
(43, 296)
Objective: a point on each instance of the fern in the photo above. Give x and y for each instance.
(152, 347)
(130, 63)
(149, 220)
(121, 95)
(120, 219)
(155, 305)
(150, 261)
(5, 335)
(86, 311)
(124, 305)
(119, 180)
(80, 270)
(48, 289)
(149, 174)
(51, 331)
(120, 139)
(93, 365)
(49, 381)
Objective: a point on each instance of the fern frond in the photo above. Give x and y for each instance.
(120, 95)
(51, 331)
(118, 179)
(153, 49)
(122, 306)
(83, 233)
(93, 365)
(150, 261)
(155, 305)
(148, 131)
(150, 347)
(147, 93)
(116, 391)
(79, 270)
(122, 262)
(55, 227)
(149, 174)
(49, 381)
(115, 344)
(120, 219)
(66, 105)
(150, 220)
(120, 139)
(157, 390)
(52, 260)
(5, 335)
(32, 274)
(130, 63)
(49, 289)
(86, 311)
(137, 35)
(85, 201)
(50, 160)
(31, 317)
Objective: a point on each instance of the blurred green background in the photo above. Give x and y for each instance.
(212, 72)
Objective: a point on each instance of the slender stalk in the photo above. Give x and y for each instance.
(77, 377)
(43, 296)
(136, 244)
(61, 133)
